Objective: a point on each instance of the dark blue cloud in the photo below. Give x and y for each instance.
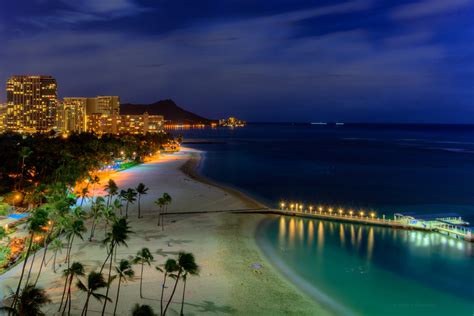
(355, 60)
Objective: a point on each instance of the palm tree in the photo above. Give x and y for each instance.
(124, 271)
(190, 268)
(94, 180)
(36, 223)
(75, 229)
(117, 205)
(186, 264)
(167, 200)
(76, 269)
(84, 194)
(143, 256)
(130, 197)
(96, 211)
(95, 282)
(56, 245)
(109, 215)
(112, 189)
(29, 302)
(170, 267)
(116, 237)
(142, 310)
(160, 202)
(141, 190)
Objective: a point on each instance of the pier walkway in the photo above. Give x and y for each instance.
(449, 224)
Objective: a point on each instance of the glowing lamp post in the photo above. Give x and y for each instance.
(351, 212)
(320, 209)
(282, 205)
(372, 215)
(310, 209)
(301, 207)
(340, 212)
(292, 206)
(330, 211)
(361, 214)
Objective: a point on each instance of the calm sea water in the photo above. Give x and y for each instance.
(385, 168)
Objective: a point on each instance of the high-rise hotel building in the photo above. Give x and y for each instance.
(31, 103)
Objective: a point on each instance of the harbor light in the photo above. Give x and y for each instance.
(292, 206)
(330, 210)
(351, 212)
(320, 209)
(282, 205)
(340, 211)
(361, 213)
(372, 215)
(301, 207)
(311, 209)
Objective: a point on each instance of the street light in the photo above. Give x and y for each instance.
(340, 212)
(320, 209)
(292, 206)
(311, 209)
(301, 207)
(351, 212)
(361, 213)
(330, 211)
(372, 215)
(282, 205)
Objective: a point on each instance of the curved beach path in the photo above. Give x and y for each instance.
(223, 243)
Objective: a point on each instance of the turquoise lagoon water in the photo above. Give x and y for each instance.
(356, 269)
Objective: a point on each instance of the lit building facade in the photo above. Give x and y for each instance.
(31, 104)
(124, 124)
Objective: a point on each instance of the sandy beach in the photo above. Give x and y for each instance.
(222, 242)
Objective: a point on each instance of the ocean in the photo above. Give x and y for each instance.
(385, 169)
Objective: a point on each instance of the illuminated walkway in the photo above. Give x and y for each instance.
(451, 226)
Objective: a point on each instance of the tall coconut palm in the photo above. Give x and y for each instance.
(141, 189)
(190, 268)
(75, 229)
(170, 267)
(35, 225)
(108, 214)
(186, 263)
(29, 302)
(96, 211)
(143, 257)
(116, 237)
(112, 189)
(130, 198)
(94, 180)
(76, 269)
(84, 194)
(167, 200)
(95, 282)
(142, 310)
(160, 202)
(56, 246)
(117, 205)
(124, 272)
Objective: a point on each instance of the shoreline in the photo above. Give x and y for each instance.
(235, 277)
(248, 228)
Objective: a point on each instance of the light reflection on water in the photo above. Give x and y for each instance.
(372, 269)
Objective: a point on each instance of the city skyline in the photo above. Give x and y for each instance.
(352, 61)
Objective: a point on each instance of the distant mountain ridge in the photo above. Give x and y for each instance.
(168, 108)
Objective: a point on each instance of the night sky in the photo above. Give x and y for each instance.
(273, 60)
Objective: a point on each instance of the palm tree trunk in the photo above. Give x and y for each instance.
(69, 298)
(86, 305)
(118, 293)
(17, 292)
(126, 210)
(69, 252)
(182, 299)
(103, 264)
(139, 211)
(172, 293)
(159, 214)
(54, 261)
(162, 292)
(108, 282)
(43, 261)
(31, 268)
(141, 281)
(64, 293)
